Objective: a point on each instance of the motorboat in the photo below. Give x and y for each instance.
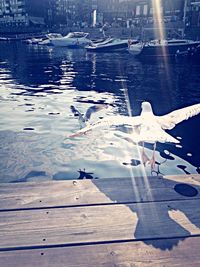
(162, 47)
(48, 37)
(109, 44)
(44, 40)
(33, 41)
(72, 39)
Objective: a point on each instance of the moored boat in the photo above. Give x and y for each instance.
(72, 39)
(110, 44)
(48, 37)
(162, 47)
(44, 39)
(33, 41)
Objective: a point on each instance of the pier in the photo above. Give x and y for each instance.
(122, 222)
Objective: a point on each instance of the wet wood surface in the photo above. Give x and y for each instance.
(143, 221)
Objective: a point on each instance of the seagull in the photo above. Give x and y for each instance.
(84, 119)
(147, 127)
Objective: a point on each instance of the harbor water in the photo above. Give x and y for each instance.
(38, 85)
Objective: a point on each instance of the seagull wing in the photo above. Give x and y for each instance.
(170, 120)
(75, 111)
(156, 135)
(109, 122)
(81, 119)
(93, 109)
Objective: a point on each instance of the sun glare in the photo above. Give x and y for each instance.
(158, 19)
(160, 33)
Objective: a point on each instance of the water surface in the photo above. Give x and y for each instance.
(39, 84)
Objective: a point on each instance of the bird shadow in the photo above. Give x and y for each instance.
(160, 218)
(85, 175)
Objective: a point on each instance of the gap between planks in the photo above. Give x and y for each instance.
(76, 193)
(126, 254)
(100, 224)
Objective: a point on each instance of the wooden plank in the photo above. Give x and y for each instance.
(99, 223)
(83, 192)
(167, 252)
(193, 179)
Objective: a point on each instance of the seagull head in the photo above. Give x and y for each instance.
(146, 107)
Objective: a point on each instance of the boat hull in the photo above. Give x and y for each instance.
(108, 48)
(191, 55)
(69, 43)
(168, 50)
(161, 50)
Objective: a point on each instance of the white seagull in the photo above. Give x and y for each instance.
(147, 127)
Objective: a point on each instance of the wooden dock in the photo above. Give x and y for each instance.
(119, 222)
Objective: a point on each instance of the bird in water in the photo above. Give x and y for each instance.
(147, 127)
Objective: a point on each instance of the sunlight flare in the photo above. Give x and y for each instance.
(143, 170)
(158, 19)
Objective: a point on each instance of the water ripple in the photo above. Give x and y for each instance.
(39, 84)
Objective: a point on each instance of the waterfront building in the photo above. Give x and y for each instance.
(127, 13)
(144, 10)
(36, 12)
(22, 12)
(85, 13)
(114, 12)
(193, 13)
(13, 12)
(175, 15)
(70, 12)
(192, 19)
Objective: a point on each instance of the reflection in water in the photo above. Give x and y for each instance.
(38, 86)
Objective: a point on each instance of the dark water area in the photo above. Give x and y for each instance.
(39, 84)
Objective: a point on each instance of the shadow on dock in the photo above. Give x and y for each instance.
(153, 212)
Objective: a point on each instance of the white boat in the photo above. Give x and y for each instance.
(161, 47)
(72, 39)
(110, 44)
(45, 39)
(33, 41)
(49, 37)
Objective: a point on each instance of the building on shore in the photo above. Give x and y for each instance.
(193, 13)
(48, 14)
(192, 19)
(176, 16)
(141, 11)
(70, 12)
(13, 12)
(22, 12)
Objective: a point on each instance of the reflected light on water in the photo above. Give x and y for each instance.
(37, 88)
(160, 28)
(160, 33)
